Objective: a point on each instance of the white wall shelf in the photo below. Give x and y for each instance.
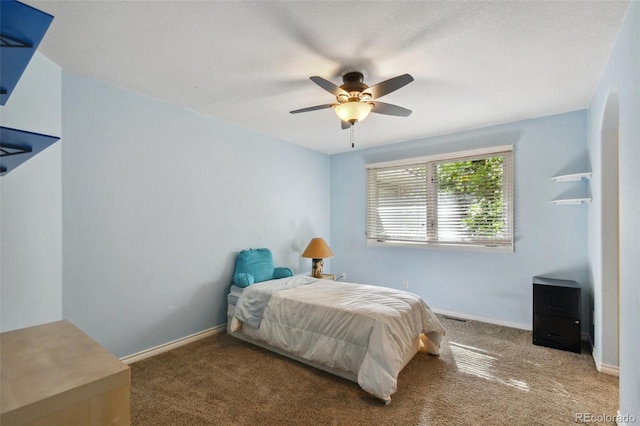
(575, 195)
(572, 177)
(566, 201)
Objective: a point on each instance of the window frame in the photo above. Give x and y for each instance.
(508, 180)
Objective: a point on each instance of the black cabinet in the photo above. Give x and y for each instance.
(556, 313)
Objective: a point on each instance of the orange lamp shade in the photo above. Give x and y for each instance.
(317, 249)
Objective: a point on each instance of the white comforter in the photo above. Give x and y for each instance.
(358, 328)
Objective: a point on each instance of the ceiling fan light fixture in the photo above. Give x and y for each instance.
(353, 111)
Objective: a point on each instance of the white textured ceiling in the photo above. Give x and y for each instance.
(475, 63)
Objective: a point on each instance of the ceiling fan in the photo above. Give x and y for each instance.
(355, 100)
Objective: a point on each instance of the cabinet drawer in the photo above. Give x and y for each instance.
(558, 301)
(556, 332)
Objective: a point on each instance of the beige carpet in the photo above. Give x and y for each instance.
(485, 375)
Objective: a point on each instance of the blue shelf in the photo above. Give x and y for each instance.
(17, 146)
(21, 29)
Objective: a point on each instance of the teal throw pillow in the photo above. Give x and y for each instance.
(243, 279)
(281, 272)
(255, 262)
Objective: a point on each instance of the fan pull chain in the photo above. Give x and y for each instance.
(352, 126)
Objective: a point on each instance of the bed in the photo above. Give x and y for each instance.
(363, 333)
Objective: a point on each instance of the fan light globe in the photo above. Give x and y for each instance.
(353, 111)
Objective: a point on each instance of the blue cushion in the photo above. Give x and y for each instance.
(282, 273)
(256, 262)
(243, 279)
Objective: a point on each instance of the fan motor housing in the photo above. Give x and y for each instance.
(353, 82)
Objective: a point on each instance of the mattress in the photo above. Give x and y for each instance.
(359, 332)
(234, 294)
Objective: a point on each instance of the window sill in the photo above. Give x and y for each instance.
(447, 246)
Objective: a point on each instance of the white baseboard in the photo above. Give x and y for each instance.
(605, 368)
(612, 370)
(148, 353)
(482, 319)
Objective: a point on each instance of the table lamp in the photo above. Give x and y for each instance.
(317, 250)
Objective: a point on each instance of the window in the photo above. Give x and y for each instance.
(458, 200)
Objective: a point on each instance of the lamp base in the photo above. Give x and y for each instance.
(316, 268)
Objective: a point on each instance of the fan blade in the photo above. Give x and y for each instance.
(345, 124)
(389, 109)
(313, 108)
(328, 86)
(388, 86)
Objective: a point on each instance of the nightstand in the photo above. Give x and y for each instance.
(330, 277)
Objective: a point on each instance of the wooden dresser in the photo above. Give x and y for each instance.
(54, 374)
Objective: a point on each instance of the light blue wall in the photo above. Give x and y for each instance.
(30, 205)
(550, 239)
(621, 78)
(157, 201)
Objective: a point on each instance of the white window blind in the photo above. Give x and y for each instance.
(457, 200)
